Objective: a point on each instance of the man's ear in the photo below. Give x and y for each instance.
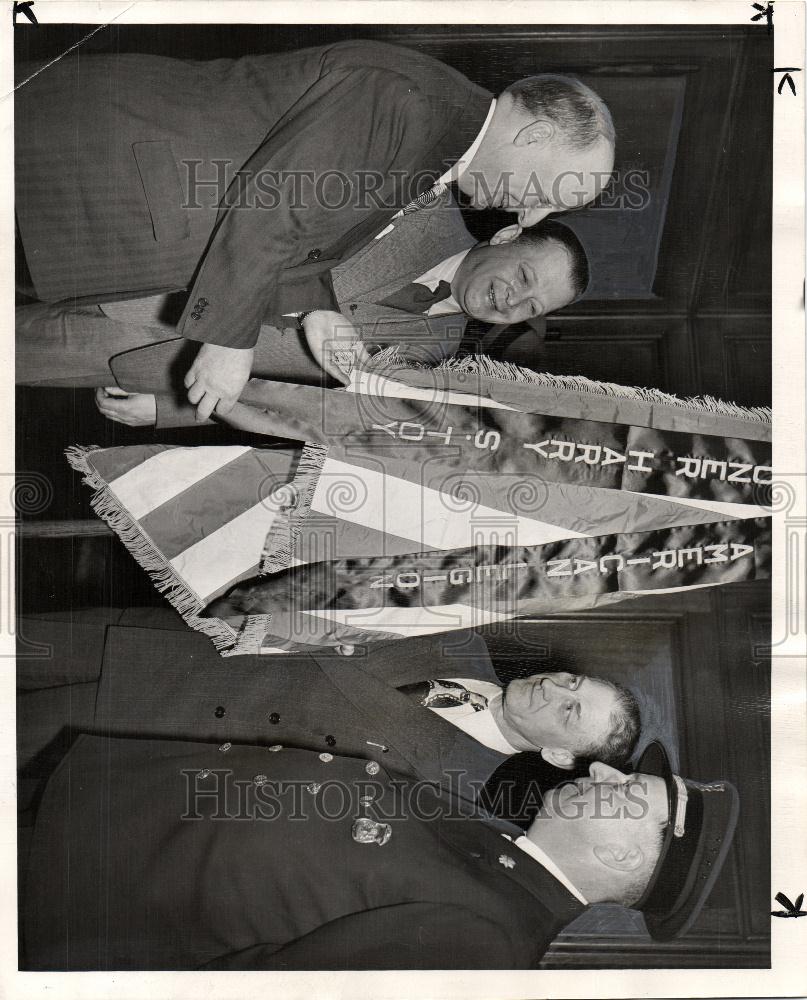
(506, 235)
(619, 858)
(541, 131)
(560, 758)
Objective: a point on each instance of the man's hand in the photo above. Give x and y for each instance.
(216, 378)
(137, 409)
(334, 342)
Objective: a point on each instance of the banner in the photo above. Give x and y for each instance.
(434, 499)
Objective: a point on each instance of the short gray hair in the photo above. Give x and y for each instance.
(625, 725)
(581, 115)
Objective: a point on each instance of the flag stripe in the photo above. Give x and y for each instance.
(415, 620)
(369, 384)
(226, 555)
(242, 485)
(719, 509)
(332, 538)
(426, 514)
(113, 463)
(169, 473)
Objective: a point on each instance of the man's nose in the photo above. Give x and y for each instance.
(532, 216)
(517, 292)
(604, 774)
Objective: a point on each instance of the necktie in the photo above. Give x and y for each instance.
(417, 298)
(444, 694)
(422, 200)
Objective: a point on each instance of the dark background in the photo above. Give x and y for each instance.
(681, 301)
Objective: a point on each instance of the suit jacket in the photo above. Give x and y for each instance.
(356, 285)
(123, 163)
(173, 684)
(128, 869)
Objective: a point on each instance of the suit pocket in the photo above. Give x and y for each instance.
(160, 179)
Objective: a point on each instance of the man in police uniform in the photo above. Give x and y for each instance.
(172, 855)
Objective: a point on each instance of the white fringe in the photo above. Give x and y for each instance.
(108, 507)
(481, 364)
(281, 540)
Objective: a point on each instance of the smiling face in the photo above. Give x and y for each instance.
(514, 281)
(558, 710)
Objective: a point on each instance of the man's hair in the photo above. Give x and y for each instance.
(581, 115)
(623, 732)
(634, 889)
(549, 231)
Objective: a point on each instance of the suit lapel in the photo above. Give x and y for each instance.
(461, 653)
(431, 745)
(416, 243)
(410, 729)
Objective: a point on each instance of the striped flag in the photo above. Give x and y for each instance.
(427, 500)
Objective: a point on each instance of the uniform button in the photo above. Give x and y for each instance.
(196, 315)
(353, 307)
(331, 741)
(314, 254)
(275, 748)
(274, 718)
(205, 772)
(372, 768)
(314, 787)
(326, 758)
(203, 303)
(260, 779)
(345, 650)
(220, 710)
(225, 747)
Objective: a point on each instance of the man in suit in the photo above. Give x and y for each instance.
(171, 855)
(432, 707)
(413, 286)
(138, 174)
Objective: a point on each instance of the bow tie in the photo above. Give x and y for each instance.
(417, 298)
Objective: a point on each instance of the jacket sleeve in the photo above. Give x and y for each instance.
(302, 190)
(176, 411)
(408, 936)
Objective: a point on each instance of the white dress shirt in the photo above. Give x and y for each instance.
(543, 859)
(444, 271)
(480, 725)
(456, 171)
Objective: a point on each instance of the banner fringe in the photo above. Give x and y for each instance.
(281, 540)
(481, 364)
(109, 508)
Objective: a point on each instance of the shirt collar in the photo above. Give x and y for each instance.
(444, 271)
(479, 725)
(543, 859)
(458, 169)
